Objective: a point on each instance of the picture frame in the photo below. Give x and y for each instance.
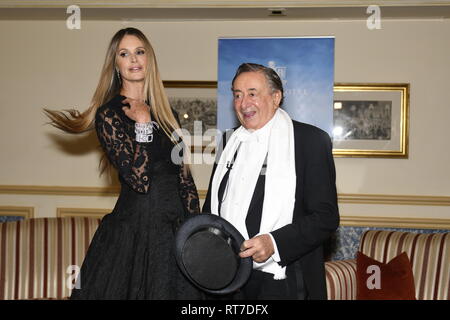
(390, 142)
(195, 101)
(371, 120)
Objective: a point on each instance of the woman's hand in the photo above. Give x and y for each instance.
(138, 111)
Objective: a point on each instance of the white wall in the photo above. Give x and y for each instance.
(43, 64)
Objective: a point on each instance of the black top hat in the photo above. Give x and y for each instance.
(207, 251)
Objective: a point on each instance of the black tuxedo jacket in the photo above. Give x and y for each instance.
(315, 217)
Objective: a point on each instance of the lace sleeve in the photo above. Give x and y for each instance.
(188, 190)
(188, 193)
(130, 158)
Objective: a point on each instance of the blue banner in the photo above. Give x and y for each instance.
(304, 64)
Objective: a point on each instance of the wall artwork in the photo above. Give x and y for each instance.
(196, 105)
(370, 120)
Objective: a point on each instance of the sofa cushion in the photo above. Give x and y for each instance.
(429, 254)
(384, 281)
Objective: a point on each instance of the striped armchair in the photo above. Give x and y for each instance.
(36, 256)
(429, 255)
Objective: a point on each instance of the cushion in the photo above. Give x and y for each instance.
(384, 281)
(429, 254)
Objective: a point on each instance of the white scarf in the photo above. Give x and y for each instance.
(280, 185)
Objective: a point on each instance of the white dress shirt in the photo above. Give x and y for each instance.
(250, 157)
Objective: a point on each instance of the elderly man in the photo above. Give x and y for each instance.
(275, 182)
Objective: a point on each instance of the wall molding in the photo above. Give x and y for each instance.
(213, 3)
(411, 200)
(395, 222)
(347, 221)
(81, 212)
(202, 194)
(17, 211)
(353, 221)
(60, 190)
(112, 191)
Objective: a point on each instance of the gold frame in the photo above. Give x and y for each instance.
(192, 85)
(403, 89)
(189, 84)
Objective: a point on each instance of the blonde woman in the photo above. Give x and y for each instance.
(131, 254)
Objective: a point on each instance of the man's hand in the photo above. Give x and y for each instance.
(260, 248)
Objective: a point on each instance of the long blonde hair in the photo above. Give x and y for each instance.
(109, 85)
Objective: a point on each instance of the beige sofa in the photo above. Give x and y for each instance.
(39, 259)
(429, 255)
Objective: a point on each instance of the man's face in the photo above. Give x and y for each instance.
(254, 102)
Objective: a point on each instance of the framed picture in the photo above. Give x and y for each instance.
(196, 105)
(370, 120)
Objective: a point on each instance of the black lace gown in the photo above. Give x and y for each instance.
(131, 255)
